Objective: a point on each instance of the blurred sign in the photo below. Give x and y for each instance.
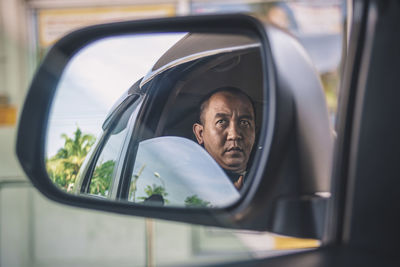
(286, 242)
(8, 113)
(55, 23)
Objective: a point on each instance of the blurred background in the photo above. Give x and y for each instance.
(37, 232)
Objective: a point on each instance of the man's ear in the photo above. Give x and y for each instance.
(198, 132)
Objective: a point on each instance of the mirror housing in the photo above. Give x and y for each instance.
(291, 185)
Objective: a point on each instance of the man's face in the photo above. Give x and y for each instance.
(227, 130)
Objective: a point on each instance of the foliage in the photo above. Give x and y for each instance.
(155, 190)
(195, 201)
(63, 167)
(101, 179)
(149, 190)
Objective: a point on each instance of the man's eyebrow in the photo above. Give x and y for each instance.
(244, 116)
(247, 116)
(222, 115)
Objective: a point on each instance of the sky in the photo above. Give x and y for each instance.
(96, 77)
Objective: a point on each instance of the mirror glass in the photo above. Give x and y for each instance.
(167, 119)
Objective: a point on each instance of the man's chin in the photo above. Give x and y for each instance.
(235, 166)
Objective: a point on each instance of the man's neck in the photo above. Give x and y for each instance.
(234, 176)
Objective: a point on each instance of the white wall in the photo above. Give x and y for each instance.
(14, 50)
(35, 231)
(14, 78)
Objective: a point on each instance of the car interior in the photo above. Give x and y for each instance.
(186, 84)
(171, 98)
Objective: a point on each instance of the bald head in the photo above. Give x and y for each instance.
(226, 128)
(227, 89)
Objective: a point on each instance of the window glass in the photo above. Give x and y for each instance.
(178, 172)
(106, 164)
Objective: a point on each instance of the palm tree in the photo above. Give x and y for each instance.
(101, 180)
(78, 147)
(155, 190)
(64, 166)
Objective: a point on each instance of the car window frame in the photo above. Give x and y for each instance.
(103, 140)
(93, 164)
(123, 161)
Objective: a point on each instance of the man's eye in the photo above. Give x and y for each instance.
(244, 123)
(221, 121)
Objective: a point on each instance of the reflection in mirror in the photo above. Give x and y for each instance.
(179, 172)
(167, 119)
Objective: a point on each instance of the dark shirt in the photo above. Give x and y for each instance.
(234, 176)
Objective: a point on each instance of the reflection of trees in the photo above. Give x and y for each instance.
(155, 190)
(101, 179)
(149, 190)
(63, 168)
(195, 201)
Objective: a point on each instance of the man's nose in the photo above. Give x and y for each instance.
(234, 132)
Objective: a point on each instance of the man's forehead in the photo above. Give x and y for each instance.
(226, 101)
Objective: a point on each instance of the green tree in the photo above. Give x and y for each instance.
(63, 167)
(155, 190)
(76, 147)
(195, 201)
(101, 179)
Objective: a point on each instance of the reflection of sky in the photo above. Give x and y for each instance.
(220, 8)
(185, 169)
(96, 77)
(112, 148)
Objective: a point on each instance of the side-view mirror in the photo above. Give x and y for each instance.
(212, 120)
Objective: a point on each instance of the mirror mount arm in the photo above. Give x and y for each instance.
(300, 216)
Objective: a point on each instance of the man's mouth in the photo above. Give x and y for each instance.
(234, 149)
